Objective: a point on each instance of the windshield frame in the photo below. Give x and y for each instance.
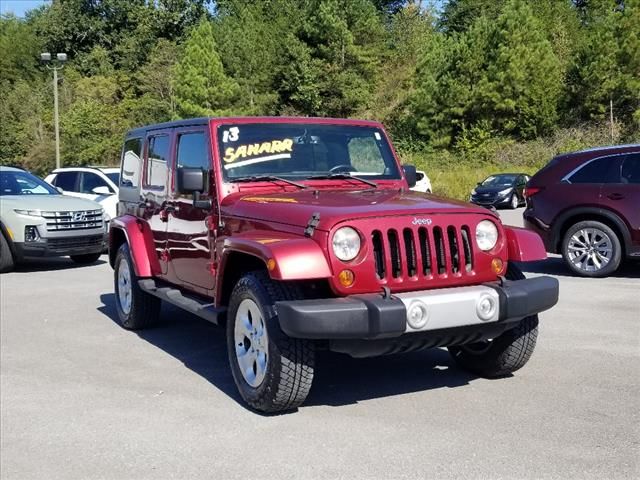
(37, 180)
(393, 171)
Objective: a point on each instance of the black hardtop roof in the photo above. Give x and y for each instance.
(205, 120)
(176, 123)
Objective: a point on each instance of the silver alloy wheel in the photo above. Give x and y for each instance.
(124, 286)
(252, 342)
(590, 249)
(514, 201)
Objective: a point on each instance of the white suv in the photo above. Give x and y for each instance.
(36, 221)
(99, 184)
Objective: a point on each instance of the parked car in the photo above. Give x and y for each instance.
(37, 221)
(501, 190)
(99, 184)
(423, 183)
(586, 206)
(304, 235)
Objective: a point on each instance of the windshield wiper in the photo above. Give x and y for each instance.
(268, 178)
(343, 176)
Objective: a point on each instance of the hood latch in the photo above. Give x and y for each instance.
(312, 224)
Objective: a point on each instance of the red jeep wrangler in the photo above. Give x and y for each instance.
(303, 234)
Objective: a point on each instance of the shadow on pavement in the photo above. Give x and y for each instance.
(556, 266)
(51, 264)
(339, 380)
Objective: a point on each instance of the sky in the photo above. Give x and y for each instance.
(19, 7)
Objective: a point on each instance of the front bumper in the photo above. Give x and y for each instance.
(376, 316)
(62, 246)
(493, 200)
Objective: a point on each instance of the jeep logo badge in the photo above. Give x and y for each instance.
(79, 217)
(421, 221)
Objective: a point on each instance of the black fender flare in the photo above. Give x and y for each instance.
(561, 220)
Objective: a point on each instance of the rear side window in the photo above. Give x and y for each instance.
(67, 181)
(601, 170)
(631, 169)
(131, 164)
(157, 157)
(91, 181)
(192, 151)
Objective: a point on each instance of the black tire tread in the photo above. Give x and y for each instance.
(509, 352)
(6, 257)
(145, 308)
(288, 386)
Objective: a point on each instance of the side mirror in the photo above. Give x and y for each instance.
(102, 190)
(191, 180)
(410, 174)
(60, 190)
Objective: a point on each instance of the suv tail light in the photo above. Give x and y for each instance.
(531, 191)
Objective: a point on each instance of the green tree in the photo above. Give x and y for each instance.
(607, 65)
(201, 86)
(501, 75)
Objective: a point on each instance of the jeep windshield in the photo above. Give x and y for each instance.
(305, 152)
(23, 183)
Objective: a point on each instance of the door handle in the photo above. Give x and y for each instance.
(615, 196)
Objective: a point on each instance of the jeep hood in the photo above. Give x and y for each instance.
(296, 208)
(46, 203)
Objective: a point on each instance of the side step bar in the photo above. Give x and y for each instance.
(187, 302)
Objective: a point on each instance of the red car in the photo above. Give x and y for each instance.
(586, 206)
(304, 235)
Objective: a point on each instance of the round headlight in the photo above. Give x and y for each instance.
(486, 235)
(346, 243)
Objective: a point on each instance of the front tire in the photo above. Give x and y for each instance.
(136, 308)
(273, 372)
(591, 249)
(86, 259)
(504, 354)
(6, 257)
(514, 203)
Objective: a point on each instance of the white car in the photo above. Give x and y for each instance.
(423, 184)
(36, 221)
(99, 184)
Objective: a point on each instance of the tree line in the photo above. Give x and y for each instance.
(443, 77)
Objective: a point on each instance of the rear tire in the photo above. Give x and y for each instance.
(273, 372)
(6, 257)
(504, 354)
(136, 308)
(86, 259)
(589, 243)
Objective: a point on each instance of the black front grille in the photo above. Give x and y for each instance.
(423, 251)
(75, 242)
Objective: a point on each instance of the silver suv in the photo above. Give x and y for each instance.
(37, 221)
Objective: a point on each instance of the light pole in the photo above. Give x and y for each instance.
(56, 63)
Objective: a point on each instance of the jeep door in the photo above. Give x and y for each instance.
(155, 188)
(190, 235)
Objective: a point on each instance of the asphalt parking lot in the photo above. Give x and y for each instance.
(82, 398)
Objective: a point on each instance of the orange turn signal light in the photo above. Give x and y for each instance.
(497, 265)
(271, 264)
(346, 278)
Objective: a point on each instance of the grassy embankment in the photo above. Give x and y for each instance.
(454, 173)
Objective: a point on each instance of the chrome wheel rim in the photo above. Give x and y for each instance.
(590, 249)
(124, 286)
(251, 342)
